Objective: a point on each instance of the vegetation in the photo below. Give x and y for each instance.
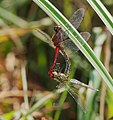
(26, 54)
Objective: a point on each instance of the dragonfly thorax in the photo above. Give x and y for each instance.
(60, 77)
(57, 37)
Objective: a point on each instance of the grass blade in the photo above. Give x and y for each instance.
(103, 13)
(77, 39)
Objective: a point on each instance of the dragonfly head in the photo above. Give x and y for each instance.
(57, 28)
(55, 74)
(61, 77)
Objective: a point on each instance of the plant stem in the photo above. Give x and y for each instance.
(24, 83)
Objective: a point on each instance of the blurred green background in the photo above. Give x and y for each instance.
(21, 42)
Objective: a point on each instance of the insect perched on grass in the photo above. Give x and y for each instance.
(64, 44)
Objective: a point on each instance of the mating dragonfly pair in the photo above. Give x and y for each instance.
(64, 45)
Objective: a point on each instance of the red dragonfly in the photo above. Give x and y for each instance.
(62, 42)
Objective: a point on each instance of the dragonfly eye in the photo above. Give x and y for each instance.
(57, 28)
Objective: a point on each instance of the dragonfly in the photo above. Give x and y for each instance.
(70, 84)
(63, 44)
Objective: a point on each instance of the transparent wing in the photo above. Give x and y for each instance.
(70, 47)
(76, 84)
(44, 37)
(75, 20)
(61, 88)
(77, 17)
(75, 96)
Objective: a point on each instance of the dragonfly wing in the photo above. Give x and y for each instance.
(77, 83)
(70, 47)
(75, 20)
(75, 96)
(77, 17)
(85, 35)
(44, 37)
(61, 89)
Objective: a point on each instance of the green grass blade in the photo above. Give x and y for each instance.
(102, 13)
(60, 105)
(77, 39)
(40, 103)
(91, 96)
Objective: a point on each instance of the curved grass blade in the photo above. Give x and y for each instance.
(103, 13)
(76, 38)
